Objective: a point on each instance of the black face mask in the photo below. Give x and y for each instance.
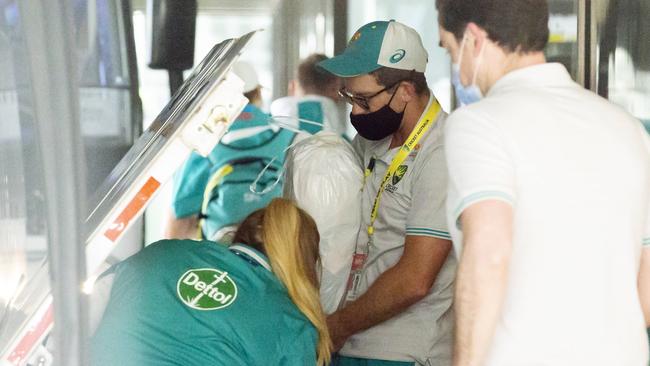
(379, 124)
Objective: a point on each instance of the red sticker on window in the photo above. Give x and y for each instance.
(28, 343)
(131, 210)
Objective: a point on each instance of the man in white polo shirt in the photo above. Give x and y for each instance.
(398, 305)
(549, 201)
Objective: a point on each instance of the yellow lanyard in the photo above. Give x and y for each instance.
(214, 181)
(359, 258)
(423, 125)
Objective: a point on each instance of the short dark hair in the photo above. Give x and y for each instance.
(387, 77)
(515, 25)
(313, 78)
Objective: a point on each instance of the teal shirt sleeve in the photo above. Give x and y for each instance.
(189, 184)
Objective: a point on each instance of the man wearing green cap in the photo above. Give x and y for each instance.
(397, 308)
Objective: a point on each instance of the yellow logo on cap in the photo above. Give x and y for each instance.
(355, 37)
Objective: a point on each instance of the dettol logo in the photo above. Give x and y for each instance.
(206, 289)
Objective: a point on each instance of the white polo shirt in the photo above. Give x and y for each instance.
(576, 170)
(412, 205)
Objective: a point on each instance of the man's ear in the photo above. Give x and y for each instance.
(477, 36)
(407, 91)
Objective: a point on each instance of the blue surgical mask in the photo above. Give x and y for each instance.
(466, 94)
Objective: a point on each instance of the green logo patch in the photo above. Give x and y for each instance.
(399, 173)
(397, 56)
(206, 289)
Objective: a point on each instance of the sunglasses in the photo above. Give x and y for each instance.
(362, 101)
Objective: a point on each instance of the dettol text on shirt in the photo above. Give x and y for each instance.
(206, 289)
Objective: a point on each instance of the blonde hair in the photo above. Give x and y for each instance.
(289, 237)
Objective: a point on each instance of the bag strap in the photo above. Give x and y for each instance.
(215, 179)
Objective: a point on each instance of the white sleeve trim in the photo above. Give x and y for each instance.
(646, 243)
(421, 231)
(478, 197)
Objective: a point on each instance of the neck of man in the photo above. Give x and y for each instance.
(412, 113)
(511, 62)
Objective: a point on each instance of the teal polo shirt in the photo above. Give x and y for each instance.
(192, 178)
(184, 302)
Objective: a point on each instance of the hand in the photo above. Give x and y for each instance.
(338, 331)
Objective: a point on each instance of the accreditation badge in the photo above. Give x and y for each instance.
(354, 281)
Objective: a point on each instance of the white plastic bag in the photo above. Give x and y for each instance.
(325, 176)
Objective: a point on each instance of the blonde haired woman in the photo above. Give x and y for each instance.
(183, 302)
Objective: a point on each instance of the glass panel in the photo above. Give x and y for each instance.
(212, 27)
(563, 41)
(624, 55)
(104, 89)
(23, 231)
(105, 102)
(420, 15)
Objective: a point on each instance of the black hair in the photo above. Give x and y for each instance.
(387, 77)
(516, 25)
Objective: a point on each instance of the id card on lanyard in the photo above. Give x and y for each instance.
(361, 251)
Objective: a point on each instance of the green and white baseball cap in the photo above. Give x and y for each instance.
(379, 44)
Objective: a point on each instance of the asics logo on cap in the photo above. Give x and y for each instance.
(397, 56)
